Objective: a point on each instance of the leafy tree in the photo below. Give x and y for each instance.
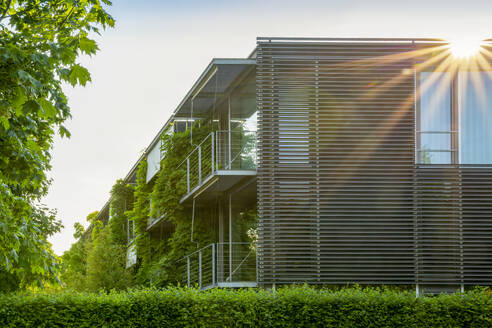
(74, 272)
(106, 263)
(40, 41)
(74, 261)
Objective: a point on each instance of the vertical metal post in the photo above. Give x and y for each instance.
(188, 271)
(213, 152)
(417, 290)
(191, 117)
(188, 174)
(218, 155)
(200, 268)
(220, 245)
(200, 165)
(229, 135)
(230, 237)
(213, 265)
(192, 220)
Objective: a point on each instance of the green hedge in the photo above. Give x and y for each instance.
(287, 307)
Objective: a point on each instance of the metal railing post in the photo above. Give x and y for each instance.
(199, 165)
(188, 173)
(200, 269)
(213, 265)
(213, 158)
(230, 237)
(188, 271)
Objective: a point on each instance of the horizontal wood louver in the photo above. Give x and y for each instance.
(340, 197)
(336, 171)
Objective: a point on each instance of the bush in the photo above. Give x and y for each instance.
(288, 307)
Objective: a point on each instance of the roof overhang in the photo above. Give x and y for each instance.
(214, 82)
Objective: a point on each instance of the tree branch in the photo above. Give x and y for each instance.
(6, 10)
(66, 18)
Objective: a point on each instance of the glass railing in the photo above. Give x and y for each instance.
(220, 150)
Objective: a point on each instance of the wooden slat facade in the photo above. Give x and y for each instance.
(340, 196)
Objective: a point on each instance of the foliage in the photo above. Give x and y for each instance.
(74, 272)
(287, 307)
(39, 45)
(169, 188)
(139, 214)
(29, 267)
(106, 262)
(157, 258)
(121, 200)
(96, 261)
(74, 261)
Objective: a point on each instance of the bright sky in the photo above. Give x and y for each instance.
(159, 48)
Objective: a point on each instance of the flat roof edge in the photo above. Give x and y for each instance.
(309, 39)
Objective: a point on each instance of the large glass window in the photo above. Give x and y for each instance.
(454, 132)
(434, 138)
(475, 99)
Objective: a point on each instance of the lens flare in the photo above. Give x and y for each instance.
(465, 47)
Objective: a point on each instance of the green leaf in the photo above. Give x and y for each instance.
(88, 46)
(5, 122)
(14, 255)
(18, 100)
(79, 75)
(22, 75)
(64, 131)
(30, 106)
(48, 108)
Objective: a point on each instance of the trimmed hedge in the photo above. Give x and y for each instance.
(287, 307)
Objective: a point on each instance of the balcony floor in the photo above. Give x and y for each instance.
(220, 181)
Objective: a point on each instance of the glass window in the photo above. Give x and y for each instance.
(475, 98)
(434, 135)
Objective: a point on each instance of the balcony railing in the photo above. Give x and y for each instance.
(153, 220)
(220, 265)
(220, 150)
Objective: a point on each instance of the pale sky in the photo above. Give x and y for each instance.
(158, 49)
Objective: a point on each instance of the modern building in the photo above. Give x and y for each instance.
(367, 161)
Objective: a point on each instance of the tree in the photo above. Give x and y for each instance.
(40, 41)
(74, 261)
(106, 262)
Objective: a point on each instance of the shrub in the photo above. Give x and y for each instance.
(288, 307)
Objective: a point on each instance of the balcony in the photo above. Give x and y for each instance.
(154, 221)
(223, 265)
(220, 161)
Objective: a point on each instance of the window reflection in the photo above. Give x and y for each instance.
(475, 94)
(434, 146)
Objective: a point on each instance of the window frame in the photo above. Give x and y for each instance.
(454, 119)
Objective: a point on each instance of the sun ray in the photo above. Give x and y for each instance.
(465, 47)
(440, 58)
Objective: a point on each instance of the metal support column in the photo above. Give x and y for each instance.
(213, 265)
(220, 246)
(200, 269)
(188, 174)
(213, 152)
(229, 134)
(230, 237)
